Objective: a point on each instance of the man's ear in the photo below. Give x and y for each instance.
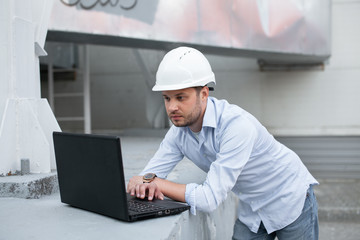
(204, 93)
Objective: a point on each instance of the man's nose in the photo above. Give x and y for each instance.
(173, 106)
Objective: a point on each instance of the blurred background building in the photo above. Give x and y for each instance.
(293, 64)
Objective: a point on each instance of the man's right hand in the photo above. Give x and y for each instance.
(137, 188)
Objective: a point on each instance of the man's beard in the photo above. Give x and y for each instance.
(189, 119)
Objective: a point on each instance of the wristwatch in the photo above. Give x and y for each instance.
(149, 177)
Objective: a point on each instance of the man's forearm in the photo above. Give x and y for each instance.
(172, 190)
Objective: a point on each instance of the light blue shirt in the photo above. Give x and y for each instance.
(241, 156)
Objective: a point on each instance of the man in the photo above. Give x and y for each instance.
(239, 155)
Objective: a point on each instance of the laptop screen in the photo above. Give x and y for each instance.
(90, 173)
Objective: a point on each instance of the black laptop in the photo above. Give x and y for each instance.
(91, 177)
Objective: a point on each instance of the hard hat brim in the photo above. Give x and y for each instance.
(170, 87)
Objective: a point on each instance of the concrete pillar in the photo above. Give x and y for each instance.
(87, 103)
(27, 121)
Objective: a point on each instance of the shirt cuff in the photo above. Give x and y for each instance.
(190, 197)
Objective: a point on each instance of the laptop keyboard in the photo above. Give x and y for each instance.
(138, 206)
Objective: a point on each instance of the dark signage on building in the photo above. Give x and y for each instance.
(90, 4)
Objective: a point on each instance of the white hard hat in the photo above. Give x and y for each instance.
(183, 67)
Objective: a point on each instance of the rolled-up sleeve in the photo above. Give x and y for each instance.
(190, 196)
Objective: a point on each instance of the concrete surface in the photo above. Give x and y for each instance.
(48, 218)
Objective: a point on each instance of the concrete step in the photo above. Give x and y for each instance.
(338, 199)
(30, 186)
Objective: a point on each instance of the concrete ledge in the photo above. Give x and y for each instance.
(47, 217)
(32, 186)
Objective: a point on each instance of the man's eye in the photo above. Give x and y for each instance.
(166, 98)
(180, 98)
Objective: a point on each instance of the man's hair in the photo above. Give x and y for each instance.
(198, 90)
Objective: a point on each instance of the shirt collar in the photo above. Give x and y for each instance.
(209, 116)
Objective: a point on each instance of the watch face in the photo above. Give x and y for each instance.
(149, 176)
